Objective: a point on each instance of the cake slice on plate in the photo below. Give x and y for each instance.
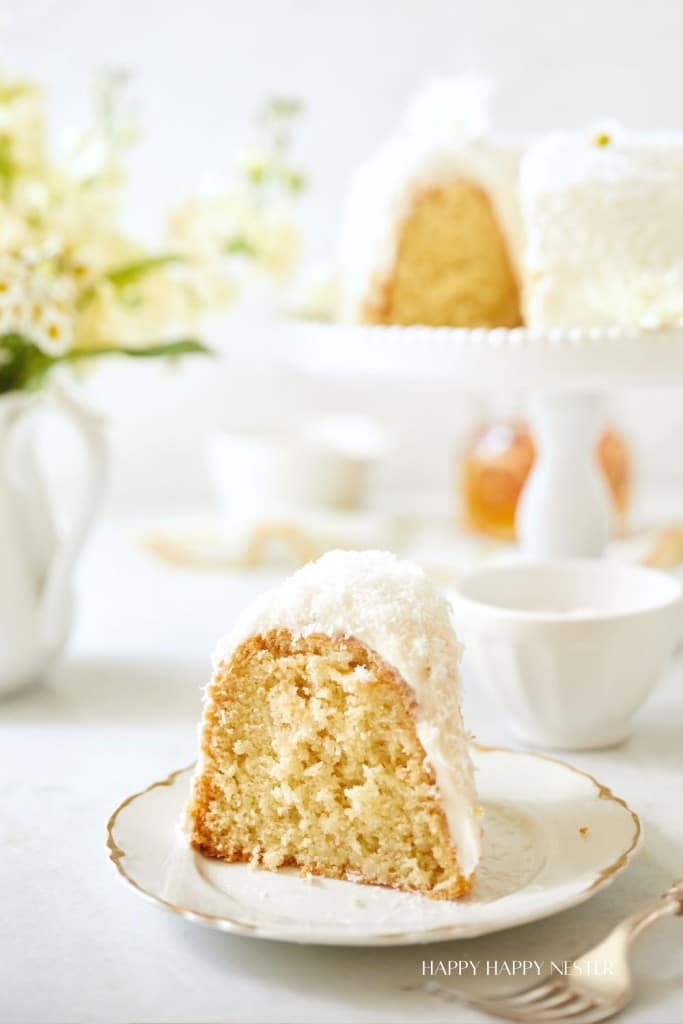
(332, 738)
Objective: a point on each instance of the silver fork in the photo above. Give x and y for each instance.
(598, 984)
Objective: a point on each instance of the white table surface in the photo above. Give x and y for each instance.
(122, 711)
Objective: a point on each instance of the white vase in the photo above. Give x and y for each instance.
(565, 509)
(36, 561)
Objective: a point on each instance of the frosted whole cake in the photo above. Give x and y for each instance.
(332, 738)
(431, 229)
(603, 215)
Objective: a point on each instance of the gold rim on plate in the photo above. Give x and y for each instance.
(223, 922)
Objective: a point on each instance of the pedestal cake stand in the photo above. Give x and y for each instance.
(566, 376)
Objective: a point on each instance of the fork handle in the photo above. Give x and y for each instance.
(669, 903)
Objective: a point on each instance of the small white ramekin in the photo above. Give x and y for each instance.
(322, 464)
(570, 648)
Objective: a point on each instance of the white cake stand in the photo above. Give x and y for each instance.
(566, 374)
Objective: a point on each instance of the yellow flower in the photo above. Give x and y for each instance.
(13, 296)
(605, 133)
(21, 126)
(226, 235)
(70, 275)
(276, 242)
(255, 164)
(159, 306)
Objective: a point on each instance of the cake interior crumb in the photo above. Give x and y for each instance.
(311, 759)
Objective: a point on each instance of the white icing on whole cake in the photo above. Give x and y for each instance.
(391, 606)
(604, 226)
(382, 192)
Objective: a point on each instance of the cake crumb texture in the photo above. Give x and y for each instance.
(452, 265)
(310, 758)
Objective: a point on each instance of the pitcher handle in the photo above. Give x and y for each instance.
(54, 610)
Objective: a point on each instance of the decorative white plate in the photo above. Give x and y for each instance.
(553, 836)
(481, 358)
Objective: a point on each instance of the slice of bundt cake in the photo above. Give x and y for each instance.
(332, 738)
(431, 232)
(427, 237)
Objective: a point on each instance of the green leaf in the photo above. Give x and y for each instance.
(239, 245)
(12, 357)
(137, 269)
(128, 273)
(277, 107)
(22, 364)
(7, 166)
(154, 350)
(10, 91)
(25, 366)
(293, 180)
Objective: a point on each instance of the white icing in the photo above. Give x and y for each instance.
(383, 189)
(604, 229)
(393, 608)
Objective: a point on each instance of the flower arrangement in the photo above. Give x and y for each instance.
(253, 223)
(75, 286)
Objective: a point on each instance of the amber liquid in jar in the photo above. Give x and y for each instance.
(497, 462)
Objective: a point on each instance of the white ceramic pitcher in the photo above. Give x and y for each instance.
(36, 562)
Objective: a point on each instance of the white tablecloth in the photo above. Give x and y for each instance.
(122, 711)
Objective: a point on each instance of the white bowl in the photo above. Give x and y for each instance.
(570, 648)
(319, 464)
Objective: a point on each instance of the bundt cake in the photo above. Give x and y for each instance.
(431, 228)
(603, 213)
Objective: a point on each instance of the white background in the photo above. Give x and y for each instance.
(201, 68)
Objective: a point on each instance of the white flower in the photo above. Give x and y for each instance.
(228, 234)
(255, 163)
(315, 295)
(159, 306)
(13, 295)
(51, 304)
(214, 282)
(605, 131)
(37, 300)
(21, 124)
(275, 241)
(70, 277)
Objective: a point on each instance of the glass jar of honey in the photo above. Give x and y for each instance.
(496, 464)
